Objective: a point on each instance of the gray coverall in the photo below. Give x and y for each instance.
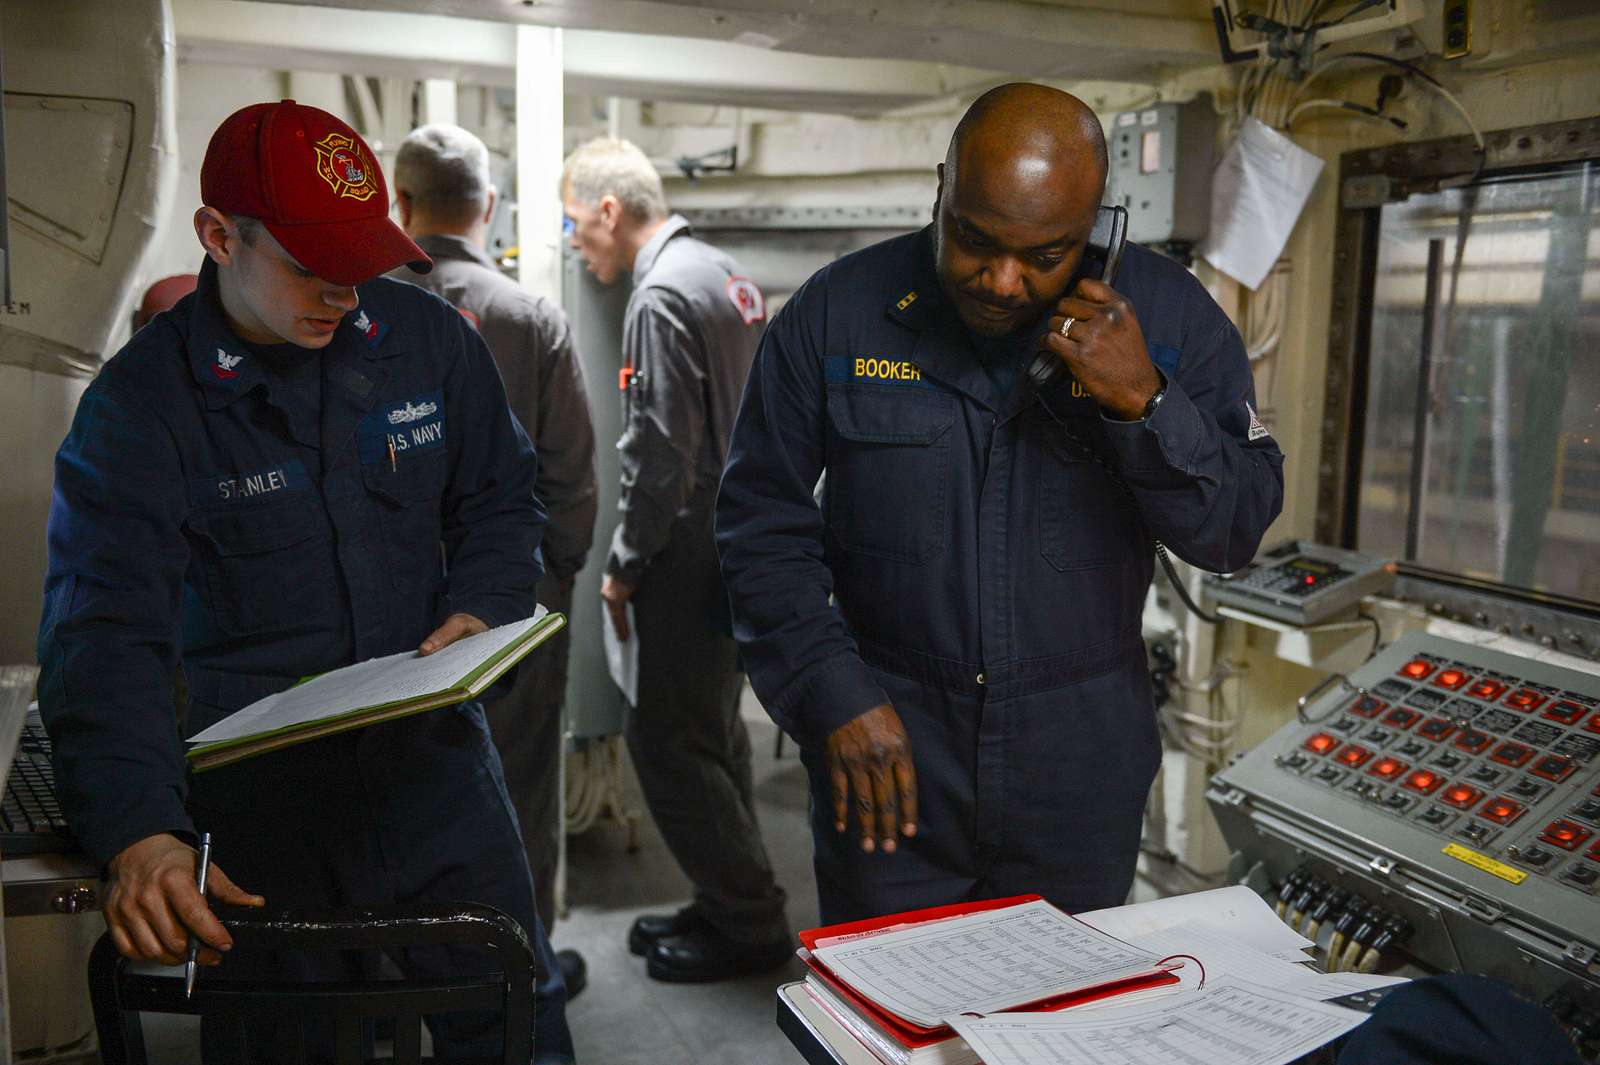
(689, 335)
(531, 343)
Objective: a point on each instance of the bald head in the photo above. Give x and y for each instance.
(1026, 129)
(1018, 193)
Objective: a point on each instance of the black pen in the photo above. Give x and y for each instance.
(190, 967)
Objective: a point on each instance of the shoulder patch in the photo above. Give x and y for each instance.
(1257, 430)
(747, 299)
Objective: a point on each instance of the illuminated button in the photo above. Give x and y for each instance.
(1425, 781)
(1566, 711)
(1451, 678)
(1388, 768)
(1401, 718)
(1354, 756)
(1473, 741)
(1436, 729)
(1554, 767)
(1416, 669)
(1501, 811)
(1321, 743)
(1525, 700)
(1309, 579)
(1369, 706)
(1565, 834)
(1487, 689)
(1461, 796)
(1512, 754)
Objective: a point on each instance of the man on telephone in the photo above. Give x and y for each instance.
(953, 636)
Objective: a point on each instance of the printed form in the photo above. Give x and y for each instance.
(375, 682)
(982, 962)
(1227, 1023)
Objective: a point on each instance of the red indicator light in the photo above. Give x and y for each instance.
(1461, 796)
(1451, 678)
(1487, 689)
(1593, 724)
(1310, 579)
(1424, 780)
(1321, 743)
(1501, 811)
(1388, 768)
(1566, 712)
(1524, 700)
(1565, 834)
(1554, 767)
(1353, 756)
(1512, 754)
(1416, 669)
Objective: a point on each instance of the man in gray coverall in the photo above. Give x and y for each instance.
(446, 197)
(689, 335)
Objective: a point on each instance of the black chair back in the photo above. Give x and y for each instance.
(244, 1008)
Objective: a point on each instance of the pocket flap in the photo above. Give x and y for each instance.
(416, 479)
(255, 530)
(890, 416)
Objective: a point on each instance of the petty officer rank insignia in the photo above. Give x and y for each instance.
(398, 428)
(227, 365)
(874, 369)
(371, 329)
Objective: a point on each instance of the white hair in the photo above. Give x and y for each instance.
(445, 171)
(607, 166)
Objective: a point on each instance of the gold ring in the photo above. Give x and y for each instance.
(1066, 328)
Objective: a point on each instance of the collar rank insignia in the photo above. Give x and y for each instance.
(227, 366)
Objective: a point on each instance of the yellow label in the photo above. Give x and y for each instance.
(907, 300)
(1486, 863)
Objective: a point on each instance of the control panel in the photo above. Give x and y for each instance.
(1460, 786)
(1303, 583)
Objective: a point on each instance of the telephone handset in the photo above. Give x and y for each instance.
(1101, 255)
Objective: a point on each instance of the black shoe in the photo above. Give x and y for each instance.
(650, 929)
(705, 954)
(574, 972)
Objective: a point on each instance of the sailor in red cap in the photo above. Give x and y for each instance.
(299, 466)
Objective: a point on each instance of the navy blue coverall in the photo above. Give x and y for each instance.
(987, 576)
(207, 514)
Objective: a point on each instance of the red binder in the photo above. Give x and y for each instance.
(913, 1036)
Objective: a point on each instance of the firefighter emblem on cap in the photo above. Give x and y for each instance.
(341, 163)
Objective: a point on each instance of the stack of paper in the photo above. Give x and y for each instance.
(1018, 982)
(895, 982)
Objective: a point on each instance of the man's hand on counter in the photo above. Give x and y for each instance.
(870, 757)
(153, 904)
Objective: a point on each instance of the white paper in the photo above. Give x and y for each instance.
(1226, 1023)
(622, 656)
(374, 682)
(1226, 958)
(985, 961)
(1257, 193)
(1235, 912)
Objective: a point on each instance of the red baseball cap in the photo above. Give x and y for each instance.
(315, 185)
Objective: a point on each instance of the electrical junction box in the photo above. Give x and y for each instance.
(1161, 158)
